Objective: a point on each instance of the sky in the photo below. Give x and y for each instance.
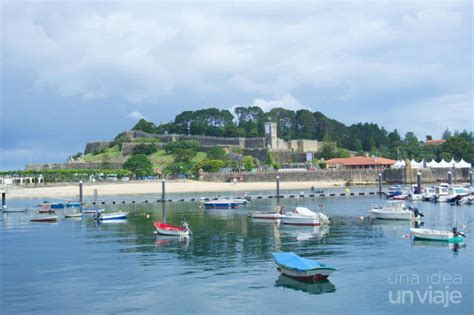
(81, 71)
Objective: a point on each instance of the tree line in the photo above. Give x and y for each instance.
(359, 138)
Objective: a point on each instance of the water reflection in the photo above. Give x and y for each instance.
(396, 228)
(304, 233)
(319, 287)
(455, 247)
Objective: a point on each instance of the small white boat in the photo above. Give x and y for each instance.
(304, 216)
(437, 235)
(221, 204)
(53, 218)
(395, 211)
(112, 216)
(267, 215)
(171, 230)
(73, 215)
(415, 197)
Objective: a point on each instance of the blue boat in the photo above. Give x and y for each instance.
(73, 204)
(57, 206)
(221, 204)
(301, 268)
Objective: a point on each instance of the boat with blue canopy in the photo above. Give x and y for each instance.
(301, 268)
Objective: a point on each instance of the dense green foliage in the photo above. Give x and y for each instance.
(248, 163)
(217, 153)
(304, 124)
(139, 165)
(143, 148)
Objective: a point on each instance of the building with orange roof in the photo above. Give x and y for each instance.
(435, 142)
(360, 162)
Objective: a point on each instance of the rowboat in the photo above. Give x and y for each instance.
(267, 215)
(220, 204)
(73, 215)
(53, 218)
(395, 211)
(437, 235)
(304, 216)
(111, 216)
(171, 230)
(301, 268)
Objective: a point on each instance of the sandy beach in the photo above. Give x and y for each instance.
(181, 186)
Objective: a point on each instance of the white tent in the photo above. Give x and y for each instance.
(432, 164)
(415, 164)
(463, 164)
(452, 163)
(443, 164)
(398, 164)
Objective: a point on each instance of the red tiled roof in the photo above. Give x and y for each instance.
(361, 160)
(435, 141)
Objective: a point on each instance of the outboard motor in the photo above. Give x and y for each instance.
(416, 212)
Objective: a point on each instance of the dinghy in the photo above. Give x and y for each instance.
(111, 216)
(171, 230)
(73, 215)
(437, 235)
(301, 268)
(304, 216)
(53, 218)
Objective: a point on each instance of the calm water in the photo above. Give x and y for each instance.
(77, 266)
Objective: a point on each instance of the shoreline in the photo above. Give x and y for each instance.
(154, 187)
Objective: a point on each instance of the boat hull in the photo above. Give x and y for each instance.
(299, 221)
(392, 215)
(171, 230)
(45, 219)
(310, 275)
(436, 235)
(113, 216)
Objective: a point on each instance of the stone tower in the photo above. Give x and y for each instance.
(271, 140)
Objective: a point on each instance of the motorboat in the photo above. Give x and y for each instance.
(456, 193)
(221, 204)
(438, 235)
(171, 230)
(53, 218)
(304, 216)
(111, 216)
(73, 215)
(441, 194)
(301, 268)
(73, 204)
(395, 211)
(415, 197)
(428, 194)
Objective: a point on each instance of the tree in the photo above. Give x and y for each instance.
(446, 134)
(328, 151)
(174, 146)
(178, 168)
(145, 126)
(209, 166)
(459, 148)
(217, 153)
(139, 165)
(429, 138)
(184, 155)
(248, 163)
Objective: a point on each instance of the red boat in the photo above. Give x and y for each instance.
(171, 230)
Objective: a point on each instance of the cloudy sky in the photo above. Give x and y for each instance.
(82, 71)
